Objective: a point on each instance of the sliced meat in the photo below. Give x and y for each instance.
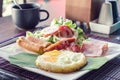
(94, 48)
(62, 44)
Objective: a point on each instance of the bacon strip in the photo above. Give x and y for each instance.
(62, 44)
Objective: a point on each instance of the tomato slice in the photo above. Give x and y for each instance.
(65, 31)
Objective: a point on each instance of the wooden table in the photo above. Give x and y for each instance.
(8, 30)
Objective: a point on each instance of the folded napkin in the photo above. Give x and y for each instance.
(28, 60)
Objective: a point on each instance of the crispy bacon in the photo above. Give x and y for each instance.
(62, 44)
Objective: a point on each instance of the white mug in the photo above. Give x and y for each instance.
(106, 15)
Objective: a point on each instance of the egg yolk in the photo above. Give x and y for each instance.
(51, 56)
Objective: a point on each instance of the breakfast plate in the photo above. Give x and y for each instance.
(59, 47)
(5, 52)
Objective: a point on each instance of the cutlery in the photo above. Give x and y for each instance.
(15, 2)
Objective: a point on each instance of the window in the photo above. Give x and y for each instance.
(6, 7)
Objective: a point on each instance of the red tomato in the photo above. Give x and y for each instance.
(65, 31)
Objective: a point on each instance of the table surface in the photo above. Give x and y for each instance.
(8, 30)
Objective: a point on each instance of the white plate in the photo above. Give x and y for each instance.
(114, 50)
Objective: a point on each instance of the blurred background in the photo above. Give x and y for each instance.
(7, 4)
(58, 7)
(53, 6)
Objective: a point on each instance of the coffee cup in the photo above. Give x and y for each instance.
(29, 16)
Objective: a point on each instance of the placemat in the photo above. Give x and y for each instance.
(28, 75)
(109, 71)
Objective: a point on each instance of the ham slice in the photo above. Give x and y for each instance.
(94, 48)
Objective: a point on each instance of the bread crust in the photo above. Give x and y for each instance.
(61, 68)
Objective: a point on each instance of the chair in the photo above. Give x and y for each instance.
(1, 4)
